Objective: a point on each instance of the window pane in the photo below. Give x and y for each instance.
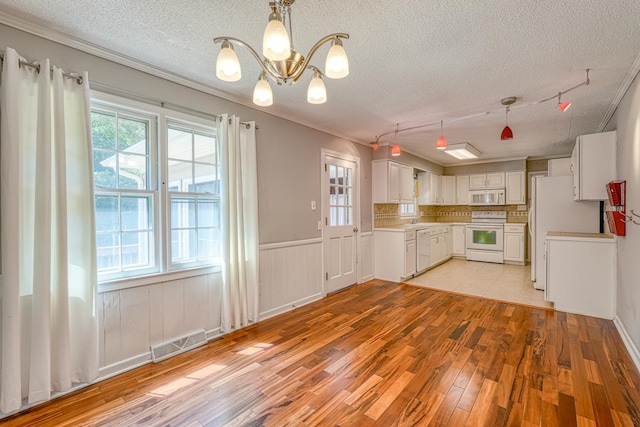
(205, 149)
(136, 249)
(349, 177)
(108, 251)
(180, 175)
(133, 171)
(103, 130)
(208, 213)
(206, 243)
(104, 164)
(180, 145)
(183, 245)
(205, 178)
(183, 213)
(135, 213)
(107, 217)
(132, 135)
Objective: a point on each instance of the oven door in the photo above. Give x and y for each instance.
(485, 237)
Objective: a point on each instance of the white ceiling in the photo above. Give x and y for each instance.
(411, 62)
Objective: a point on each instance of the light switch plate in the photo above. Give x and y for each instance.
(313, 205)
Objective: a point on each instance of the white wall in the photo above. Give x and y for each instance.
(627, 122)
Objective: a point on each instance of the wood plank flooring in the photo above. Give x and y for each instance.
(378, 354)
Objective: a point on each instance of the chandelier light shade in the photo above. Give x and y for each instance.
(395, 150)
(280, 61)
(262, 94)
(337, 64)
(317, 92)
(562, 106)
(227, 64)
(507, 133)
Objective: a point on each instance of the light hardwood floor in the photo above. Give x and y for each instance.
(379, 354)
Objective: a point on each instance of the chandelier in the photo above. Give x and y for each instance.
(280, 61)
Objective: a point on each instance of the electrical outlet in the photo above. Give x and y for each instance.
(319, 225)
(313, 205)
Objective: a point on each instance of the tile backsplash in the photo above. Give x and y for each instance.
(388, 214)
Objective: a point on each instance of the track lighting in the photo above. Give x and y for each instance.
(441, 144)
(375, 145)
(562, 106)
(395, 150)
(507, 133)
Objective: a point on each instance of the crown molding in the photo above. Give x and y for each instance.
(118, 58)
(622, 91)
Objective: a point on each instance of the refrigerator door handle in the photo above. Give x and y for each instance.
(530, 224)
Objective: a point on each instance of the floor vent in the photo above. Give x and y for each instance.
(179, 345)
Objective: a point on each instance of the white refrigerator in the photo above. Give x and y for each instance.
(553, 209)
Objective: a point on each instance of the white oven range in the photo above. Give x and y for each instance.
(485, 236)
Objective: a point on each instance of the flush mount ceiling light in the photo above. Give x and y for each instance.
(281, 62)
(507, 133)
(464, 151)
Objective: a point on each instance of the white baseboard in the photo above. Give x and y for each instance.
(628, 343)
(290, 306)
(123, 366)
(366, 278)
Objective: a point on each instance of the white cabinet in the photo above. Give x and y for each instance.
(593, 165)
(486, 181)
(448, 190)
(515, 188)
(514, 244)
(462, 189)
(391, 182)
(459, 242)
(436, 189)
(440, 246)
(559, 167)
(394, 254)
(581, 273)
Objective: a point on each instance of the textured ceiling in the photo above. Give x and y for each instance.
(411, 62)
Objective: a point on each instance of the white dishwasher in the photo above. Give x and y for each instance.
(423, 250)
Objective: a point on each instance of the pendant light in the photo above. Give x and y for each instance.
(562, 106)
(395, 150)
(374, 145)
(507, 133)
(442, 142)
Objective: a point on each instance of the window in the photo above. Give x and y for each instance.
(408, 209)
(125, 197)
(194, 193)
(133, 154)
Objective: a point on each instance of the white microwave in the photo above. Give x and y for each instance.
(486, 197)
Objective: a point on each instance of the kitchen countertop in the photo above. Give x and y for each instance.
(563, 235)
(422, 225)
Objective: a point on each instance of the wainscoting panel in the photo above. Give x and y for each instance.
(366, 257)
(290, 275)
(134, 319)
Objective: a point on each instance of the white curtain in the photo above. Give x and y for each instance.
(239, 222)
(49, 331)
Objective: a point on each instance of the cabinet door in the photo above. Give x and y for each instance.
(574, 168)
(424, 188)
(477, 182)
(462, 189)
(448, 190)
(433, 251)
(495, 180)
(436, 185)
(407, 184)
(448, 244)
(458, 240)
(395, 179)
(514, 247)
(410, 254)
(515, 188)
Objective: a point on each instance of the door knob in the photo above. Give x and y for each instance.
(355, 229)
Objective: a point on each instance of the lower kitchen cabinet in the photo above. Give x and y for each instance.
(581, 273)
(459, 242)
(394, 254)
(514, 243)
(441, 245)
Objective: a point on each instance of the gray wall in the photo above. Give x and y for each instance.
(408, 159)
(288, 153)
(627, 122)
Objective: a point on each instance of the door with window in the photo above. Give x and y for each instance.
(341, 219)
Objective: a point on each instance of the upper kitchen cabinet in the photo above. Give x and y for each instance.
(392, 182)
(436, 189)
(485, 181)
(515, 188)
(429, 188)
(593, 165)
(462, 189)
(449, 190)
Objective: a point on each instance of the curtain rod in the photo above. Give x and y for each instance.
(77, 77)
(100, 87)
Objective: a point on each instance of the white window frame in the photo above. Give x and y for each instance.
(413, 213)
(163, 270)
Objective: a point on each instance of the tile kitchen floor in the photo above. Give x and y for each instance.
(503, 282)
